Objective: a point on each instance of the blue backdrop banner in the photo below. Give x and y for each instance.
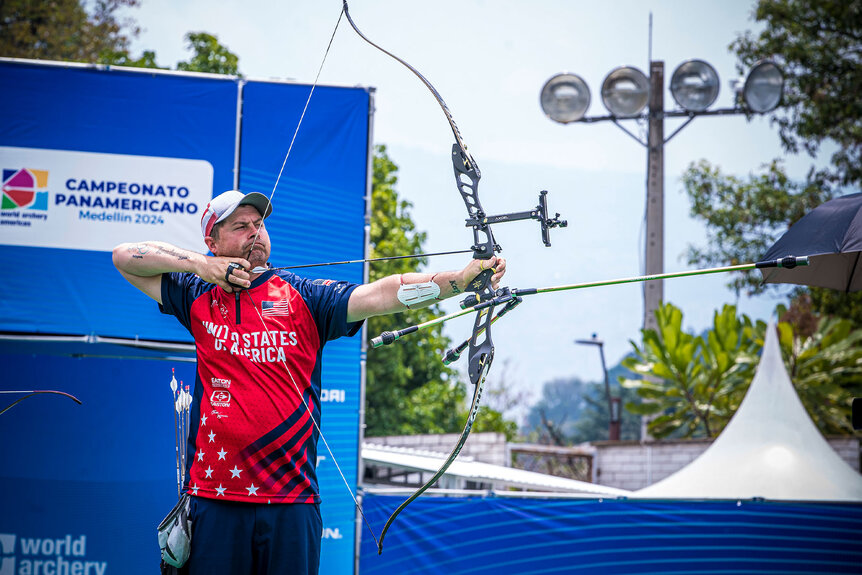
(501, 535)
(92, 158)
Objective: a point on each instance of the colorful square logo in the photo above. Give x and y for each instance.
(25, 189)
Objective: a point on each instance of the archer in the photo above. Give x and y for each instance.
(255, 418)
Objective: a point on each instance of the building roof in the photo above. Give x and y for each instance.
(770, 449)
(470, 469)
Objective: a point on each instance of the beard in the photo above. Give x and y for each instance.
(259, 254)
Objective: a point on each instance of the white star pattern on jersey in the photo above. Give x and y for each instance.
(209, 471)
(220, 490)
(200, 455)
(212, 436)
(203, 419)
(195, 488)
(221, 454)
(235, 472)
(252, 490)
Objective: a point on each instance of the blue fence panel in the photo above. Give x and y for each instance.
(497, 536)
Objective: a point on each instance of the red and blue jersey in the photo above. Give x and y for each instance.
(252, 438)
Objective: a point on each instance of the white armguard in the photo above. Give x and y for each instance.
(412, 294)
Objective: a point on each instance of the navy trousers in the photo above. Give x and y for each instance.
(234, 538)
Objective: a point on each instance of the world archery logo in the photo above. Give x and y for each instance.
(7, 554)
(25, 189)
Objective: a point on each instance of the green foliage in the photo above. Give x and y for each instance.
(408, 389)
(67, 30)
(745, 217)
(94, 32)
(123, 58)
(819, 45)
(825, 366)
(835, 303)
(209, 55)
(693, 384)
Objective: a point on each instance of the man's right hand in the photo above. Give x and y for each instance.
(143, 264)
(214, 270)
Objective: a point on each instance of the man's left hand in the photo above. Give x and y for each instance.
(475, 267)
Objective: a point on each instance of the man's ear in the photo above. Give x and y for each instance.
(211, 244)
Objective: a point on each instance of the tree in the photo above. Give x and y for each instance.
(408, 389)
(745, 217)
(209, 55)
(553, 418)
(696, 383)
(572, 411)
(819, 46)
(823, 356)
(68, 30)
(693, 383)
(93, 32)
(592, 425)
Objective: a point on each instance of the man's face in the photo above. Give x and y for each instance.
(236, 235)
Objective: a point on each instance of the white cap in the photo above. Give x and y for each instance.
(223, 205)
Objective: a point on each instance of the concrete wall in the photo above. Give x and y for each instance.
(634, 465)
(623, 464)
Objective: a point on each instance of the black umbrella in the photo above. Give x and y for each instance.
(831, 235)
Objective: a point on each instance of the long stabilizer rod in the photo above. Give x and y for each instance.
(789, 262)
(473, 303)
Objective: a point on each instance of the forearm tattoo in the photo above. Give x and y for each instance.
(171, 252)
(138, 251)
(454, 286)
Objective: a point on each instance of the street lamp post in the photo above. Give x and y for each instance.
(613, 402)
(626, 93)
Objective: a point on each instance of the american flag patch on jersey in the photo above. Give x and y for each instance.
(281, 307)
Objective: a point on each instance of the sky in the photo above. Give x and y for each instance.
(489, 61)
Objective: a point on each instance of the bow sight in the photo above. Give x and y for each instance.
(539, 213)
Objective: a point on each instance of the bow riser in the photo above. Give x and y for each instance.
(467, 177)
(481, 346)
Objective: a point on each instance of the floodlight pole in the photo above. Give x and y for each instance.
(653, 291)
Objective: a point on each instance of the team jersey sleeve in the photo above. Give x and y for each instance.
(327, 300)
(179, 291)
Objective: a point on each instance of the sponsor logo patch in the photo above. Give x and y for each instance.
(220, 398)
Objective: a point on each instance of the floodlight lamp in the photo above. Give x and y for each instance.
(625, 92)
(763, 87)
(694, 85)
(565, 98)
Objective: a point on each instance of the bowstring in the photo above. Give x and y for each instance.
(296, 131)
(254, 305)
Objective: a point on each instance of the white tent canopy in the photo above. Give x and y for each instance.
(770, 449)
